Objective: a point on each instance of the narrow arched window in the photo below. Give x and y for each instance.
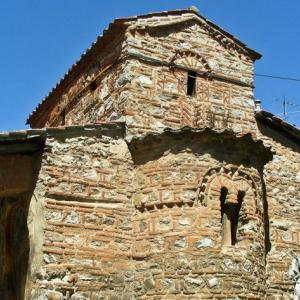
(63, 117)
(191, 83)
(225, 217)
(230, 217)
(235, 217)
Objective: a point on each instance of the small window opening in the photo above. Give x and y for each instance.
(223, 196)
(225, 219)
(93, 86)
(235, 217)
(63, 117)
(191, 83)
(230, 217)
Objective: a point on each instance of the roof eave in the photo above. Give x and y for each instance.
(278, 124)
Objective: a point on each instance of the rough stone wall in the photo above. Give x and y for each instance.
(282, 179)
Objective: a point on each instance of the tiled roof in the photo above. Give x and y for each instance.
(122, 23)
(38, 134)
(278, 123)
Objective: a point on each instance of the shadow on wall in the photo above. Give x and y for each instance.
(223, 146)
(14, 247)
(268, 244)
(14, 234)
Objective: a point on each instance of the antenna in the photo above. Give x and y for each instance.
(284, 109)
(285, 104)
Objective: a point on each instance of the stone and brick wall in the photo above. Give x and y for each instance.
(157, 99)
(144, 78)
(88, 93)
(129, 220)
(146, 212)
(113, 217)
(179, 246)
(283, 195)
(81, 228)
(158, 94)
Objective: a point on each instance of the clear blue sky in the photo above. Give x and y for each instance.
(40, 39)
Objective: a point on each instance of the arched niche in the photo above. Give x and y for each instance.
(233, 196)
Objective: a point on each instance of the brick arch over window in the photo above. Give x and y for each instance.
(233, 198)
(192, 60)
(234, 179)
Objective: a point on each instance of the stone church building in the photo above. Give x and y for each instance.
(151, 172)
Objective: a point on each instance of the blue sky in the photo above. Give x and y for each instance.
(40, 40)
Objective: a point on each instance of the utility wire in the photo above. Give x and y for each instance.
(278, 77)
(292, 104)
(292, 112)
